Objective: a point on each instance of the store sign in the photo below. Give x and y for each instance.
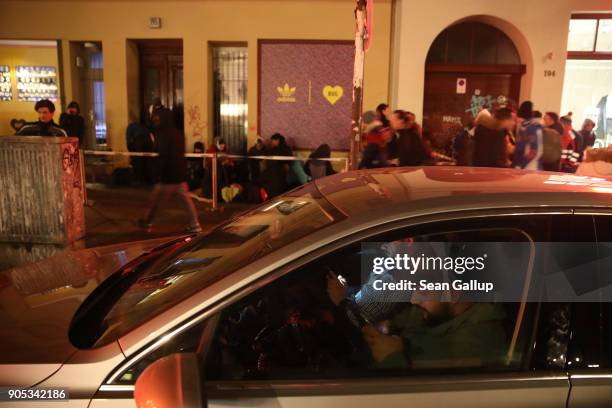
(6, 89)
(36, 83)
(304, 92)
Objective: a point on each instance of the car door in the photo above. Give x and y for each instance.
(589, 358)
(277, 346)
(532, 370)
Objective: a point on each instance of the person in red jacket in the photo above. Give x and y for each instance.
(569, 155)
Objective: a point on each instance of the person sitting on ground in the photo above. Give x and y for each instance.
(258, 149)
(195, 168)
(319, 168)
(274, 176)
(224, 167)
(73, 122)
(491, 138)
(45, 125)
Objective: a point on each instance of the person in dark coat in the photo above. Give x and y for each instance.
(195, 168)
(72, 122)
(490, 138)
(274, 176)
(45, 125)
(410, 148)
(173, 168)
(319, 168)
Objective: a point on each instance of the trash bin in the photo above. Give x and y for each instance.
(41, 190)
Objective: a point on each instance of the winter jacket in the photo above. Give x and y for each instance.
(41, 129)
(410, 148)
(74, 125)
(569, 155)
(490, 148)
(529, 145)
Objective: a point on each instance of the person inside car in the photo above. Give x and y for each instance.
(431, 333)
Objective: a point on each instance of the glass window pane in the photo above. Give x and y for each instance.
(506, 51)
(438, 50)
(459, 44)
(581, 35)
(485, 44)
(604, 36)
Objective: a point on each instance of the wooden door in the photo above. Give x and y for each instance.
(447, 107)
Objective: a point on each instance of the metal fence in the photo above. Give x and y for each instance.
(215, 157)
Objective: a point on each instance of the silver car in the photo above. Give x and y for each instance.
(256, 302)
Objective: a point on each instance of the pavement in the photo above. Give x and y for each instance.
(110, 218)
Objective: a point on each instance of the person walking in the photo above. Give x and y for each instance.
(528, 152)
(173, 167)
(45, 125)
(72, 122)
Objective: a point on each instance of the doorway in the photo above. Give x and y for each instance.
(161, 77)
(469, 66)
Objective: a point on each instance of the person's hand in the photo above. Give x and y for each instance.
(380, 344)
(335, 289)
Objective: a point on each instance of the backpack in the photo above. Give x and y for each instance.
(551, 152)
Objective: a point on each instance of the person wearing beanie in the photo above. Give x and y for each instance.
(529, 141)
(45, 125)
(73, 122)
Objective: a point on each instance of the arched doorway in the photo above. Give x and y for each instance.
(469, 66)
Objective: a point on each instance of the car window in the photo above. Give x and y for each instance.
(298, 327)
(128, 299)
(186, 341)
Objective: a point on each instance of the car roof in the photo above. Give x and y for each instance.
(386, 192)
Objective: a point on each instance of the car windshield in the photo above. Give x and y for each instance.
(174, 277)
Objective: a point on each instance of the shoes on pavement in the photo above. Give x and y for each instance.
(193, 230)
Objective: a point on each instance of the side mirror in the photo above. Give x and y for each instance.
(173, 381)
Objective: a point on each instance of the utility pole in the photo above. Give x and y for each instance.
(361, 34)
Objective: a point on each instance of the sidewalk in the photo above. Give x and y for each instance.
(110, 219)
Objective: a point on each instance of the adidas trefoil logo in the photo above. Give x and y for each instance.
(286, 94)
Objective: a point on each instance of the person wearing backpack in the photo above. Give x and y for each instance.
(552, 135)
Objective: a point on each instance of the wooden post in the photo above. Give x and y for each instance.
(360, 36)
